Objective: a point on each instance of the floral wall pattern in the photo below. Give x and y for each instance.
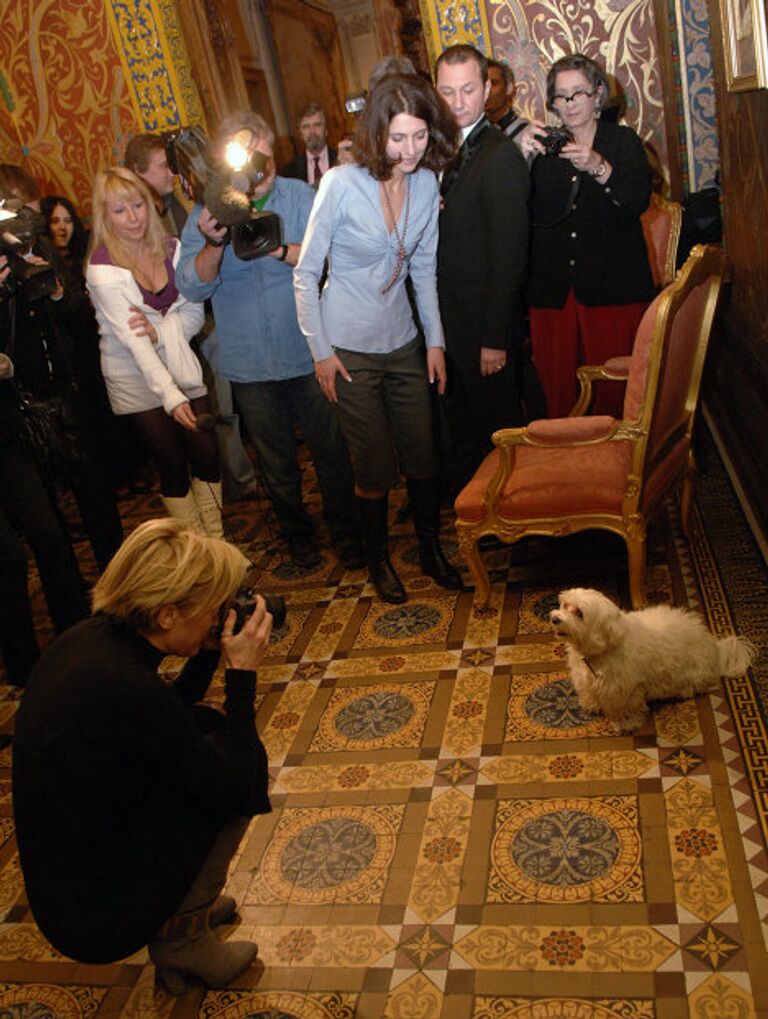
(700, 113)
(621, 34)
(77, 79)
(65, 107)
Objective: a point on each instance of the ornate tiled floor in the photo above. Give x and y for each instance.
(451, 836)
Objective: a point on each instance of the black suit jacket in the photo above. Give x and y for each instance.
(483, 247)
(297, 168)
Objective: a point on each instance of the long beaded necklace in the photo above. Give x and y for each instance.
(401, 252)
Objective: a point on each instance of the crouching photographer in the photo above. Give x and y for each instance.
(127, 815)
(262, 351)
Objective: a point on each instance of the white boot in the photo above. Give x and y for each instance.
(184, 509)
(207, 496)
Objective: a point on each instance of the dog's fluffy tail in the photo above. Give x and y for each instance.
(736, 655)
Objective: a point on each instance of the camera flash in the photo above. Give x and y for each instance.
(236, 155)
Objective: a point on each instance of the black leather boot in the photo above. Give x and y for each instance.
(425, 501)
(373, 516)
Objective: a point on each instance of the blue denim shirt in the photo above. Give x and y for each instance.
(253, 303)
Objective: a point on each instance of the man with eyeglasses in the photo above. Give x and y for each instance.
(481, 266)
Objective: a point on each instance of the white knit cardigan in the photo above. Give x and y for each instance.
(140, 374)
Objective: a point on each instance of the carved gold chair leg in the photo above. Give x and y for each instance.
(474, 560)
(636, 558)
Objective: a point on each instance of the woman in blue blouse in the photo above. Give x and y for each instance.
(376, 223)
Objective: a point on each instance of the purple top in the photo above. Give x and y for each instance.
(164, 298)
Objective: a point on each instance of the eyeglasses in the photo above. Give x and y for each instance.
(579, 94)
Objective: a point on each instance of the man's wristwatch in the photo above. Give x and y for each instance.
(283, 253)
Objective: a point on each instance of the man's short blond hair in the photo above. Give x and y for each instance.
(164, 562)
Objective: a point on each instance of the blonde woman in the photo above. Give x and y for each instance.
(150, 370)
(127, 815)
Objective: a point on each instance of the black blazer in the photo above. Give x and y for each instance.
(483, 247)
(297, 168)
(598, 248)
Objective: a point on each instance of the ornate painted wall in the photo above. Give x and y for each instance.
(76, 79)
(622, 35)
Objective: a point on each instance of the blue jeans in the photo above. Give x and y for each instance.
(271, 411)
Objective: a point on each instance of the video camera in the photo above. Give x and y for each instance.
(19, 227)
(224, 188)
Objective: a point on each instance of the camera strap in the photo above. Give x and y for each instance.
(573, 195)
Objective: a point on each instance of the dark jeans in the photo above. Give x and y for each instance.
(271, 410)
(25, 507)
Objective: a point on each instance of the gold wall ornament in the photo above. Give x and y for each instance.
(155, 62)
(449, 22)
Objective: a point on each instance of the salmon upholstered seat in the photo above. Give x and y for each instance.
(577, 473)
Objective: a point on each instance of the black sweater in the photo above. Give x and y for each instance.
(118, 796)
(599, 248)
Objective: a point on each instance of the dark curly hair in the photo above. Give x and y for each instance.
(411, 94)
(78, 244)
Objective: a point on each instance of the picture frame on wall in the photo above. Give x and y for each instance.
(745, 44)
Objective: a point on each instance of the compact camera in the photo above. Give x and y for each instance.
(245, 603)
(355, 103)
(554, 138)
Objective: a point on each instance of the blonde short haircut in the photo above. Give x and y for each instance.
(120, 184)
(164, 562)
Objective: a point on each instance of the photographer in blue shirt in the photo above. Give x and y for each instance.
(263, 353)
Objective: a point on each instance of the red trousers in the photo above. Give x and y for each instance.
(564, 338)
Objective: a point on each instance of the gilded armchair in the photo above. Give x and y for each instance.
(557, 477)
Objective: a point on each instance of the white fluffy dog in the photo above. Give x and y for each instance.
(621, 660)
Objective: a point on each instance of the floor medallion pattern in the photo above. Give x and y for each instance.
(452, 837)
(566, 850)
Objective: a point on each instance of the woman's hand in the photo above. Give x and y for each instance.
(245, 649)
(185, 416)
(325, 373)
(140, 324)
(530, 145)
(436, 368)
(581, 157)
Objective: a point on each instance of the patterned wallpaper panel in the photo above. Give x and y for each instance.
(77, 79)
(698, 88)
(64, 109)
(620, 34)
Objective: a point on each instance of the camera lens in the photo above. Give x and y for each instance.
(275, 604)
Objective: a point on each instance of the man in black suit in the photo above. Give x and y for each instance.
(318, 157)
(481, 265)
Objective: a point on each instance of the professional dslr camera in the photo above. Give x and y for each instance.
(19, 227)
(554, 138)
(224, 188)
(245, 603)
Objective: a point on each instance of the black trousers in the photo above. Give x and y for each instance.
(25, 508)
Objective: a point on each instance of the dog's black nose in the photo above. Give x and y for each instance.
(554, 616)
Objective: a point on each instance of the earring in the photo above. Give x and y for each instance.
(597, 111)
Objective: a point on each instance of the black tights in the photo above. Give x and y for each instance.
(177, 451)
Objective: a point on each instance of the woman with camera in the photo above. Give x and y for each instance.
(146, 324)
(376, 223)
(127, 814)
(50, 366)
(590, 278)
(26, 509)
